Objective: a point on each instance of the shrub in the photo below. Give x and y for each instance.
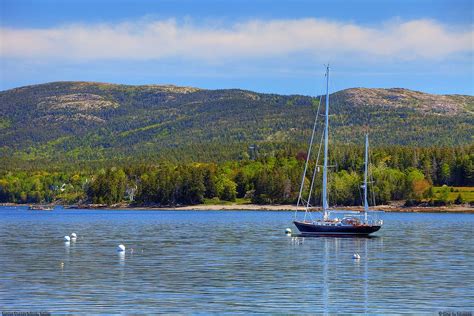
(439, 203)
(411, 202)
(459, 199)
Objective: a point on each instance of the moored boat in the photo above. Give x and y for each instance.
(41, 207)
(334, 222)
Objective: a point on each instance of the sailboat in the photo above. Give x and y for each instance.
(334, 222)
(41, 207)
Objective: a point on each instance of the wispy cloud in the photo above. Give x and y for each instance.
(154, 40)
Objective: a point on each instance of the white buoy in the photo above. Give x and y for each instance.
(287, 231)
(73, 235)
(120, 248)
(356, 256)
(66, 238)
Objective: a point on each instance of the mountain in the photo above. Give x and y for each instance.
(88, 121)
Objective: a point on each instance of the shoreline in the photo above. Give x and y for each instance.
(257, 207)
(293, 208)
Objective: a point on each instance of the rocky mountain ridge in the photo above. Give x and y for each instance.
(86, 120)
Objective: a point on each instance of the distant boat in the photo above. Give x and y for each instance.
(334, 222)
(41, 207)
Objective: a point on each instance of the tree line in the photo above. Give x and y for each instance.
(273, 177)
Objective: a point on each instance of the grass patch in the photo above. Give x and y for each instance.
(467, 193)
(217, 201)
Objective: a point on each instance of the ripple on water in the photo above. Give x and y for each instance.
(230, 262)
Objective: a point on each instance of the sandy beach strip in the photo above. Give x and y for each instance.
(289, 207)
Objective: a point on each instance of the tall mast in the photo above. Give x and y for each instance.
(325, 167)
(366, 204)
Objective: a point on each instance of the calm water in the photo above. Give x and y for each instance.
(200, 262)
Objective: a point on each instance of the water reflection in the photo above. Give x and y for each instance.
(121, 269)
(326, 286)
(346, 281)
(121, 256)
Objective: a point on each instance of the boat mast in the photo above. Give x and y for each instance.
(325, 166)
(366, 203)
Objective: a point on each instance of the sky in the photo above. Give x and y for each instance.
(260, 45)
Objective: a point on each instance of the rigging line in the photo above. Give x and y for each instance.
(308, 157)
(373, 183)
(371, 187)
(328, 196)
(315, 168)
(360, 193)
(314, 174)
(373, 195)
(303, 201)
(370, 182)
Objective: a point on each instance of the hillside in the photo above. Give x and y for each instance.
(88, 121)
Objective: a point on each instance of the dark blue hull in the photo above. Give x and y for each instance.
(313, 229)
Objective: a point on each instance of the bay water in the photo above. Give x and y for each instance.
(203, 262)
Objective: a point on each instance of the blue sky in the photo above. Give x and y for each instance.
(266, 46)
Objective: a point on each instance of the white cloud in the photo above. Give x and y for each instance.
(154, 40)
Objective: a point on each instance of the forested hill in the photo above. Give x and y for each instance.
(88, 121)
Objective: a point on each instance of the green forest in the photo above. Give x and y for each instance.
(264, 177)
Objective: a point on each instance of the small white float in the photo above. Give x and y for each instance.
(73, 235)
(288, 231)
(67, 239)
(120, 248)
(356, 256)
